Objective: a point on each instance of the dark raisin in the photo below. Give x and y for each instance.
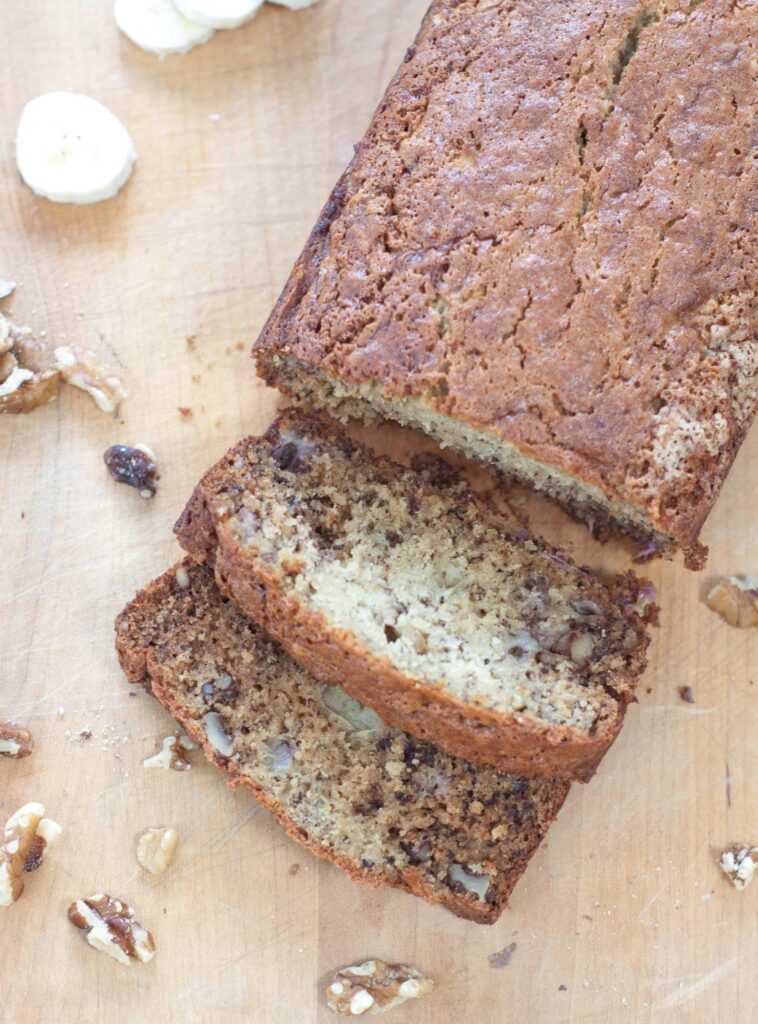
(291, 455)
(132, 466)
(417, 853)
(373, 802)
(420, 755)
(286, 456)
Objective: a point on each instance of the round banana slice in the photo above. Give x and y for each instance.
(295, 5)
(158, 27)
(72, 149)
(219, 13)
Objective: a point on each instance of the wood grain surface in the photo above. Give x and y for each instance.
(623, 914)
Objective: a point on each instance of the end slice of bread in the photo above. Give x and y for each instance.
(379, 804)
(423, 602)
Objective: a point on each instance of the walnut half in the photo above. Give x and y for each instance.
(27, 837)
(156, 849)
(111, 927)
(374, 986)
(15, 741)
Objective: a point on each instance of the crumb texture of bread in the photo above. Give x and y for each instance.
(430, 606)
(383, 806)
(544, 254)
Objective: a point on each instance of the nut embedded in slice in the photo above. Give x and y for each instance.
(735, 599)
(15, 741)
(374, 986)
(156, 849)
(111, 927)
(739, 863)
(172, 754)
(27, 837)
(217, 735)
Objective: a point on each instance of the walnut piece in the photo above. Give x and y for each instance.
(136, 467)
(15, 741)
(27, 837)
(217, 735)
(25, 382)
(374, 986)
(735, 599)
(353, 716)
(156, 849)
(172, 754)
(111, 927)
(739, 862)
(86, 371)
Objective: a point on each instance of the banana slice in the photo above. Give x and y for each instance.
(157, 26)
(72, 149)
(295, 5)
(219, 13)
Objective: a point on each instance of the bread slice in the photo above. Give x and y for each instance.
(382, 806)
(544, 255)
(424, 603)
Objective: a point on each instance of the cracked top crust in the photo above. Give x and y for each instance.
(546, 233)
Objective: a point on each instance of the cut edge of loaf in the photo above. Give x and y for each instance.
(141, 664)
(584, 502)
(472, 732)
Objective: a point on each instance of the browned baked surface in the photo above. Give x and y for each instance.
(423, 602)
(380, 805)
(547, 235)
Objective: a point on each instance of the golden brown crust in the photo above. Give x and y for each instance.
(142, 665)
(509, 742)
(548, 234)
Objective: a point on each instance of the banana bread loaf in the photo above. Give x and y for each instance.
(544, 255)
(436, 610)
(384, 807)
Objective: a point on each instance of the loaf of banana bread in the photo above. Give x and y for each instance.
(423, 602)
(544, 255)
(383, 806)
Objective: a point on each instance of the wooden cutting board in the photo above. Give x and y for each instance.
(623, 914)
